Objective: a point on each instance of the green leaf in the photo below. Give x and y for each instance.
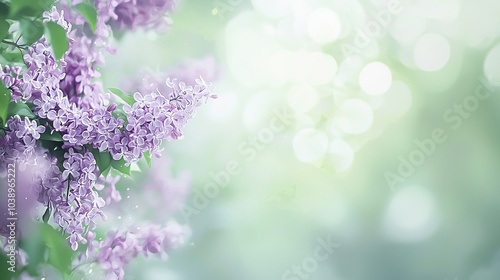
(4, 102)
(147, 157)
(60, 254)
(4, 267)
(119, 113)
(29, 7)
(106, 172)
(119, 165)
(4, 11)
(20, 109)
(59, 155)
(31, 31)
(19, 5)
(13, 56)
(35, 249)
(89, 12)
(126, 98)
(51, 145)
(46, 215)
(45, 5)
(51, 136)
(103, 160)
(56, 35)
(56, 151)
(4, 28)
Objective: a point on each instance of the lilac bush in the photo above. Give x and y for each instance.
(60, 114)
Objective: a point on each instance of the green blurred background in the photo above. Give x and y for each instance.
(354, 116)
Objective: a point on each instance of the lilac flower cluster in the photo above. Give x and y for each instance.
(40, 85)
(79, 208)
(150, 119)
(41, 76)
(86, 52)
(69, 102)
(82, 200)
(120, 247)
(86, 124)
(155, 116)
(70, 195)
(19, 143)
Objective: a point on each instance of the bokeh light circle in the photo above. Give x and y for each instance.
(411, 215)
(432, 52)
(375, 78)
(323, 26)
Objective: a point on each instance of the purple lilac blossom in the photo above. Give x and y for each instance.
(119, 248)
(73, 211)
(153, 117)
(67, 97)
(19, 143)
(94, 124)
(147, 14)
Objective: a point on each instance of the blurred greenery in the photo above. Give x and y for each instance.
(440, 223)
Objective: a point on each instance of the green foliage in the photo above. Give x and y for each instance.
(4, 103)
(35, 8)
(119, 113)
(4, 266)
(119, 165)
(31, 30)
(89, 12)
(4, 11)
(60, 254)
(103, 160)
(55, 149)
(56, 36)
(13, 56)
(51, 136)
(20, 109)
(47, 246)
(147, 157)
(35, 250)
(126, 98)
(4, 28)
(46, 215)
